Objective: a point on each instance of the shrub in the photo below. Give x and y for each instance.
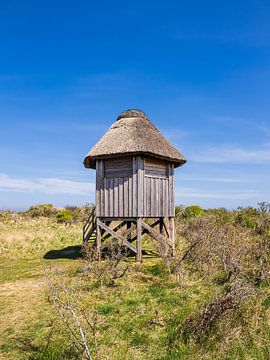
(47, 210)
(191, 211)
(64, 216)
(80, 213)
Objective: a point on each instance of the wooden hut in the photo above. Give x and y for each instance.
(134, 166)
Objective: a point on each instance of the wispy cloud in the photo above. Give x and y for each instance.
(186, 192)
(45, 185)
(214, 179)
(232, 154)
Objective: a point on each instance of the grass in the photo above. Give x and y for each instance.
(139, 318)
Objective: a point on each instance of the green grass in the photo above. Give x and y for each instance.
(139, 318)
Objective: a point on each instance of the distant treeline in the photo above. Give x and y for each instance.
(244, 215)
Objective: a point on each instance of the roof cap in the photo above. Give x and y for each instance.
(133, 133)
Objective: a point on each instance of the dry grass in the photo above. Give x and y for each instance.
(33, 237)
(142, 314)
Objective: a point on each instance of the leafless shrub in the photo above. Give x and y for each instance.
(215, 247)
(223, 252)
(201, 323)
(76, 320)
(174, 262)
(113, 266)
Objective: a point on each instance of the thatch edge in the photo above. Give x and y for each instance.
(90, 161)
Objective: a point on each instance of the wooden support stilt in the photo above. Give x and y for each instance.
(128, 231)
(161, 226)
(171, 233)
(98, 242)
(139, 241)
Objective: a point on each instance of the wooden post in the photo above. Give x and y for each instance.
(98, 241)
(139, 241)
(162, 232)
(171, 233)
(161, 226)
(129, 234)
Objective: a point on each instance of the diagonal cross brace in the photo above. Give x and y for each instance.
(154, 233)
(117, 236)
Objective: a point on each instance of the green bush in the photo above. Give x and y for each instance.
(64, 216)
(47, 210)
(192, 210)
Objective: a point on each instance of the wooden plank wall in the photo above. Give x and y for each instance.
(138, 195)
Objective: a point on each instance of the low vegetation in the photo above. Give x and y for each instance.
(209, 301)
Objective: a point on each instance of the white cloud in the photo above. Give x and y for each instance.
(232, 154)
(184, 192)
(45, 185)
(212, 179)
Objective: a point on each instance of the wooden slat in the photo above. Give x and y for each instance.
(171, 192)
(161, 197)
(134, 188)
(111, 198)
(101, 179)
(121, 198)
(97, 188)
(157, 198)
(125, 211)
(144, 197)
(148, 196)
(154, 209)
(152, 198)
(155, 162)
(166, 198)
(124, 162)
(105, 190)
(130, 196)
(117, 236)
(150, 171)
(119, 167)
(118, 173)
(140, 185)
(115, 196)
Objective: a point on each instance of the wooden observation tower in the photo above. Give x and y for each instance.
(134, 166)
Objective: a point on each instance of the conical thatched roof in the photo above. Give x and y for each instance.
(133, 133)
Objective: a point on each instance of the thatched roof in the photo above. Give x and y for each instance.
(133, 133)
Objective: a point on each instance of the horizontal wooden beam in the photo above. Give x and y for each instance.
(107, 218)
(115, 235)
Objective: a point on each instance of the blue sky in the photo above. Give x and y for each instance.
(200, 70)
